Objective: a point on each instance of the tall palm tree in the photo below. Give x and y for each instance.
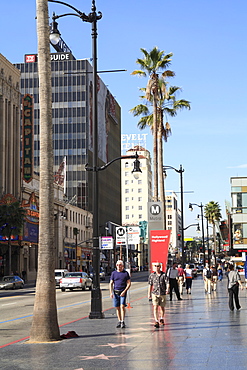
(212, 212)
(45, 324)
(11, 223)
(152, 63)
(167, 105)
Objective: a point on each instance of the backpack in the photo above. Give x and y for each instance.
(208, 274)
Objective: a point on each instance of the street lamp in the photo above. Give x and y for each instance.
(203, 242)
(93, 17)
(180, 171)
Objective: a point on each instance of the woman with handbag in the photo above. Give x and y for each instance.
(188, 278)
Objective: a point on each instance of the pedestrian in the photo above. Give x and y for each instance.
(188, 278)
(220, 272)
(233, 287)
(172, 275)
(181, 278)
(119, 285)
(157, 292)
(207, 277)
(214, 278)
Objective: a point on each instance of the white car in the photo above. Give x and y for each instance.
(75, 280)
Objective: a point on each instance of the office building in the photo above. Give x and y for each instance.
(239, 212)
(73, 131)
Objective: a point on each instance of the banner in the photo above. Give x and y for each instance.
(159, 245)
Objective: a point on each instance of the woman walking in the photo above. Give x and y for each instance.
(233, 287)
(188, 278)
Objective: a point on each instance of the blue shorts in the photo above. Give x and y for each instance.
(118, 300)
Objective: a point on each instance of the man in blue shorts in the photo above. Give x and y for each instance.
(119, 285)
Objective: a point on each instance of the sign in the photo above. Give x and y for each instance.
(133, 234)
(159, 244)
(129, 141)
(33, 58)
(155, 216)
(106, 242)
(121, 235)
(27, 137)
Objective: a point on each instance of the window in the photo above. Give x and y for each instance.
(140, 208)
(127, 190)
(126, 182)
(139, 181)
(127, 199)
(126, 164)
(140, 217)
(139, 190)
(139, 199)
(127, 217)
(169, 217)
(126, 173)
(127, 208)
(169, 222)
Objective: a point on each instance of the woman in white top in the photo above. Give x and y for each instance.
(188, 278)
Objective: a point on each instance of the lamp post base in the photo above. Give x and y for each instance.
(96, 305)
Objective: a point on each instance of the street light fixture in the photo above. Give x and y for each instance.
(203, 242)
(180, 171)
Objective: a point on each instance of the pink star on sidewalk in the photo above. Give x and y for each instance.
(99, 357)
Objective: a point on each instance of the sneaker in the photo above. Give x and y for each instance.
(156, 325)
(179, 299)
(122, 324)
(162, 322)
(118, 325)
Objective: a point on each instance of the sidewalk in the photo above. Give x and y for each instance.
(200, 333)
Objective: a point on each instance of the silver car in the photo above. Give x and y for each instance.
(75, 280)
(11, 282)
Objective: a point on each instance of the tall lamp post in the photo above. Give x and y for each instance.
(180, 171)
(203, 241)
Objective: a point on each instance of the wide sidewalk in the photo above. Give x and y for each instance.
(199, 333)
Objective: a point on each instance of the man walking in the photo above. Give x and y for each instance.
(172, 275)
(207, 277)
(157, 290)
(181, 278)
(233, 287)
(119, 285)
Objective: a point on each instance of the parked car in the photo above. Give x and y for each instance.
(59, 274)
(194, 270)
(102, 274)
(76, 280)
(199, 269)
(134, 268)
(11, 282)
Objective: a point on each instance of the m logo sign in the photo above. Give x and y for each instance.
(155, 216)
(121, 235)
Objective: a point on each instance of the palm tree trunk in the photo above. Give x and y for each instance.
(160, 170)
(155, 165)
(45, 323)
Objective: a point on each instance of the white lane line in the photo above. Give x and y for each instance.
(7, 304)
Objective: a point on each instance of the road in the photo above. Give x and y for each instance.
(16, 307)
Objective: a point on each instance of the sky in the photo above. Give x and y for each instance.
(208, 42)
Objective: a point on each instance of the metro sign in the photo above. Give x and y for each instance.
(121, 235)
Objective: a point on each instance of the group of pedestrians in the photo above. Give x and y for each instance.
(160, 284)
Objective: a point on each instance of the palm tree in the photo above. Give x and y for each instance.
(11, 223)
(45, 324)
(167, 105)
(152, 63)
(212, 212)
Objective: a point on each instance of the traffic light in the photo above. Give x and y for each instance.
(179, 236)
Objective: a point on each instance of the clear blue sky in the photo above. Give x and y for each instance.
(208, 40)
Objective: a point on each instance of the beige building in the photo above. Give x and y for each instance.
(10, 180)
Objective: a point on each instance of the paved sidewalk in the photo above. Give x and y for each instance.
(199, 333)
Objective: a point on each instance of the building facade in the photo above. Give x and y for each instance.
(239, 212)
(10, 173)
(73, 131)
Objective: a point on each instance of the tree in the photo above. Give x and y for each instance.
(11, 223)
(167, 105)
(45, 324)
(212, 212)
(152, 63)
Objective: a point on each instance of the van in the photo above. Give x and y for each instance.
(59, 274)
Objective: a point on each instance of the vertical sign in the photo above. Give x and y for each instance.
(155, 216)
(27, 137)
(121, 235)
(159, 244)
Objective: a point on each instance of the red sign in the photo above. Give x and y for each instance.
(159, 244)
(30, 58)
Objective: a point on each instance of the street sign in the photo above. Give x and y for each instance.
(121, 235)
(133, 234)
(106, 242)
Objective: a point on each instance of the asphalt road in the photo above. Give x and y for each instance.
(16, 307)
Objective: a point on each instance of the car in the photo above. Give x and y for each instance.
(134, 268)
(194, 270)
(199, 269)
(59, 274)
(11, 282)
(76, 280)
(102, 274)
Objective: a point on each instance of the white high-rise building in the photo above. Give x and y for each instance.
(136, 193)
